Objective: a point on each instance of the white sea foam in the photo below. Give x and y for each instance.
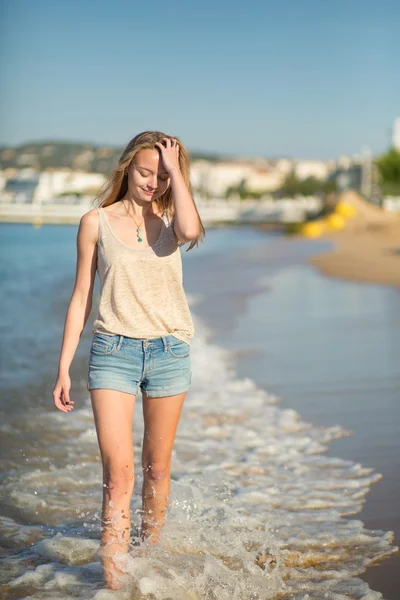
(256, 511)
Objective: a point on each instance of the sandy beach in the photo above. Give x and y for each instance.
(367, 249)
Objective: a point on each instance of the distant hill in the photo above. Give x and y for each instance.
(45, 154)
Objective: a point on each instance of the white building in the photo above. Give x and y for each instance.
(3, 180)
(19, 185)
(32, 186)
(396, 134)
(311, 168)
(265, 180)
(56, 183)
(216, 178)
(284, 165)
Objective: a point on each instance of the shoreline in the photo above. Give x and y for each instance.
(363, 262)
(367, 250)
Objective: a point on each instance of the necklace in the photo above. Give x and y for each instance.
(139, 238)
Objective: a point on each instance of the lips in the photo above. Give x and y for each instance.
(147, 192)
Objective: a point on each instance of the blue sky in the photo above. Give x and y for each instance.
(308, 78)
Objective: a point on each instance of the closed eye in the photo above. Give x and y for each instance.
(147, 175)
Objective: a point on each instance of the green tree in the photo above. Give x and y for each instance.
(389, 171)
(292, 186)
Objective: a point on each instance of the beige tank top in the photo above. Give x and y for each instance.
(141, 290)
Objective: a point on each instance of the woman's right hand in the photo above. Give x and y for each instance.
(61, 397)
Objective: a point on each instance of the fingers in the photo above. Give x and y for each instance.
(62, 400)
(67, 400)
(173, 143)
(169, 152)
(169, 143)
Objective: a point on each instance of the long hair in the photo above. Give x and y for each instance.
(116, 186)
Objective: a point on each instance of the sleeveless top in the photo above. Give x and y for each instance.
(141, 290)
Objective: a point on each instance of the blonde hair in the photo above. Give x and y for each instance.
(116, 186)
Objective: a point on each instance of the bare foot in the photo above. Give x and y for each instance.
(113, 576)
(111, 573)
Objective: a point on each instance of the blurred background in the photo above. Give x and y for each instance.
(291, 114)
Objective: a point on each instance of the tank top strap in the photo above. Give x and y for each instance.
(101, 215)
(103, 229)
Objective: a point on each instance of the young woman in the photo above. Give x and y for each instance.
(143, 328)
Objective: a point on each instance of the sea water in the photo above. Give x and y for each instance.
(258, 509)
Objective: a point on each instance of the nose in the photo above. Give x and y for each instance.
(154, 183)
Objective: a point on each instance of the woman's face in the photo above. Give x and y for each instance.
(147, 177)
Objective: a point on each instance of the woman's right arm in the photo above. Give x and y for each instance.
(79, 306)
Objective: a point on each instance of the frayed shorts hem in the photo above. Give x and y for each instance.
(165, 392)
(112, 386)
(154, 393)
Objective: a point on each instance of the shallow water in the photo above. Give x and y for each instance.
(328, 348)
(258, 508)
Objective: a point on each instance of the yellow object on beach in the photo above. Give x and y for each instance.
(345, 209)
(313, 229)
(335, 221)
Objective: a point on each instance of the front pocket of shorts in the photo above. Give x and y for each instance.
(102, 345)
(180, 350)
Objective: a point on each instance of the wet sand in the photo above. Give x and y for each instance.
(367, 249)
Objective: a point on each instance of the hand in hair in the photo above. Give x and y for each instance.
(169, 153)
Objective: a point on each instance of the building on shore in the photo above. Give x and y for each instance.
(396, 134)
(61, 186)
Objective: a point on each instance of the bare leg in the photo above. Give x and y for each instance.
(161, 417)
(113, 412)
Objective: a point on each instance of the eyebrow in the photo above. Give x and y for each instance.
(146, 169)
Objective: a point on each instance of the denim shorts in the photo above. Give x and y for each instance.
(159, 366)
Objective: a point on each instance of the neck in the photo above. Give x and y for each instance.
(139, 211)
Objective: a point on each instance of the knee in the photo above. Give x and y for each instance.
(155, 470)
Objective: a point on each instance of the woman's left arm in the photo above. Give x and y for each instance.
(186, 220)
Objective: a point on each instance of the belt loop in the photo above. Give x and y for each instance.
(164, 339)
(121, 339)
